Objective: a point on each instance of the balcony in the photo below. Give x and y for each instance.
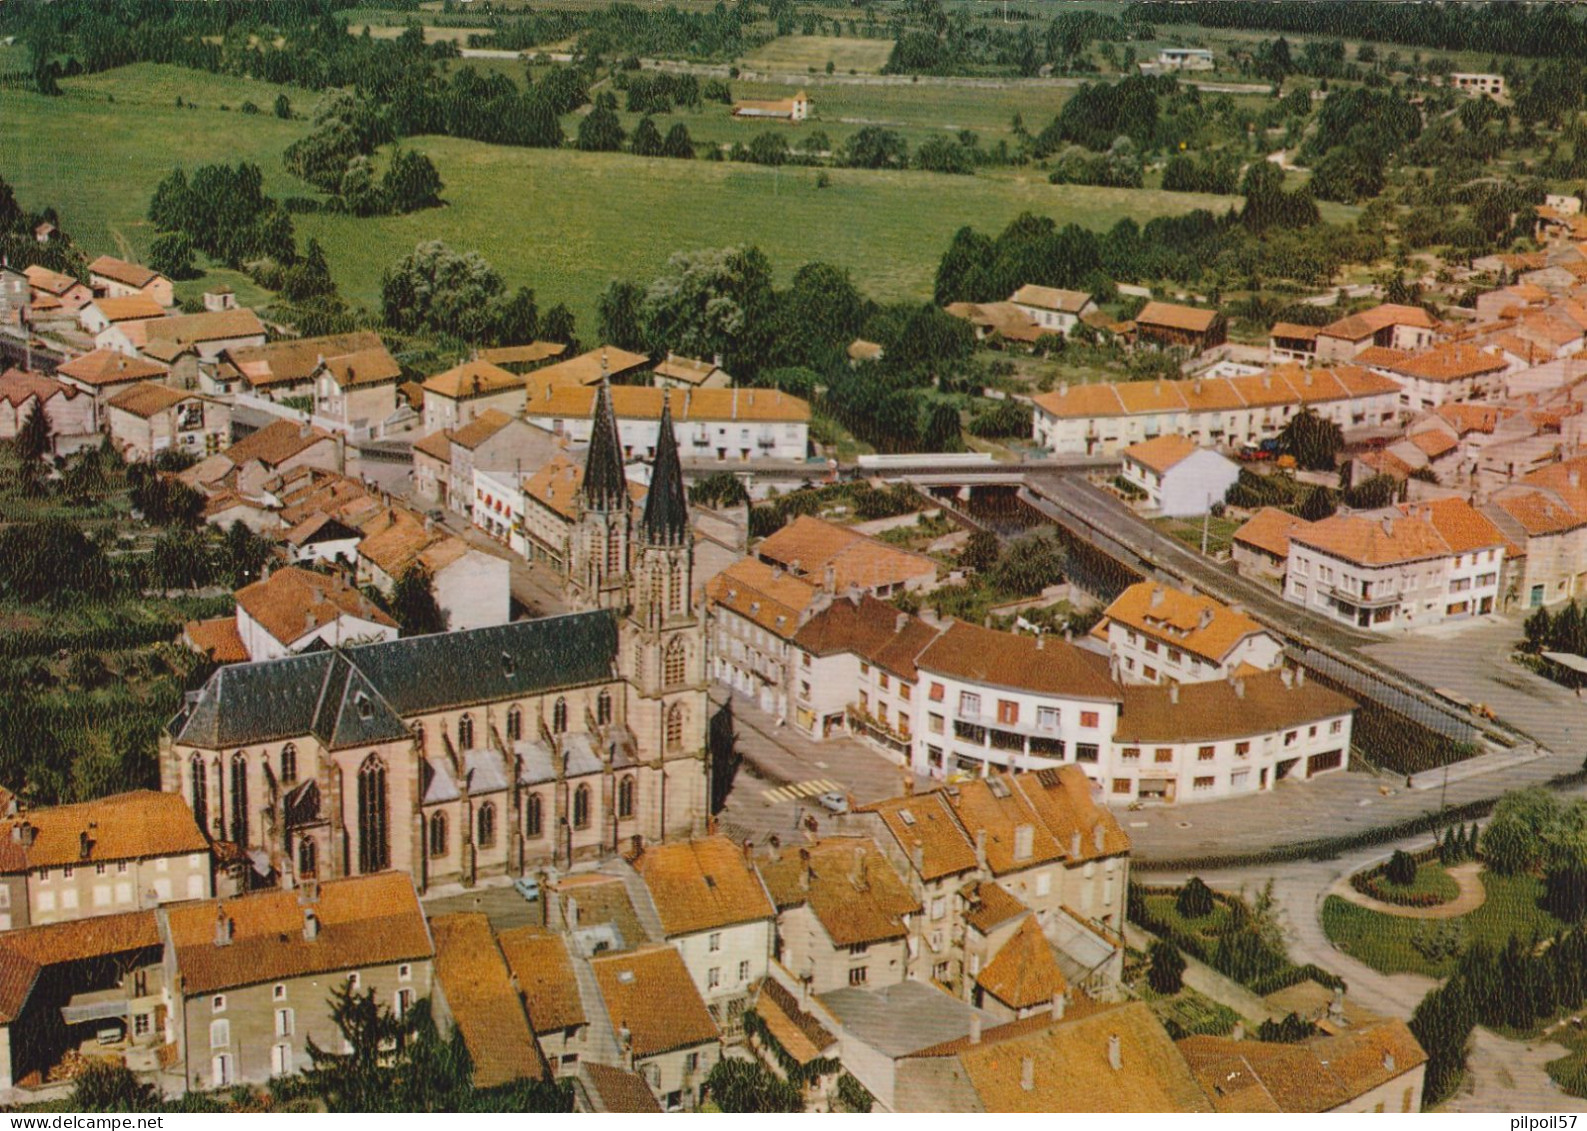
(1360, 600)
(878, 732)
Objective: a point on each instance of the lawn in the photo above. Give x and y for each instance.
(1189, 1013)
(1220, 532)
(1386, 942)
(561, 221)
(1207, 927)
(1431, 878)
(798, 52)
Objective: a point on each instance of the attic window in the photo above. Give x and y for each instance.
(906, 816)
(710, 881)
(364, 706)
(998, 786)
(509, 666)
(626, 977)
(754, 608)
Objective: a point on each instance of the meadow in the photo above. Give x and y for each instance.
(561, 221)
(797, 52)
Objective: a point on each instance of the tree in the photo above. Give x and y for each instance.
(283, 107)
(747, 1086)
(979, 551)
(1401, 869)
(768, 148)
(1378, 491)
(440, 290)
(677, 143)
(1516, 837)
(103, 1086)
(600, 131)
(1166, 975)
(820, 313)
(413, 603)
(1195, 899)
(171, 254)
(874, 147)
(309, 277)
(1028, 565)
(411, 182)
(1312, 440)
(517, 317)
(35, 439)
(558, 327)
(646, 141)
(719, 489)
(1318, 505)
(243, 555)
(617, 313)
(713, 301)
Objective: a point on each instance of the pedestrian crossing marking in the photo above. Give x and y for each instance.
(801, 789)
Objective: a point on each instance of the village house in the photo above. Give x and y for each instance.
(1227, 737)
(1419, 563)
(543, 973)
(1158, 634)
(590, 368)
(118, 323)
(1489, 84)
(1376, 1068)
(146, 419)
(460, 395)
(1289, 341)
(286, 369)
(321, 538)
(211, 333)
(755, 610)
(116, 278)
(842, 913)
(472, 587)
(104, 373)
(995, 323)
(1436, 376)
(358, 392)
(1545, 517)
(273, 450)
(724, 425)
(250, 979)
(126, 852)
(1260, 546)
(1170, 326)
(713, 908)
(1102, 419)
(70, 413)
(445, 462)
(661, 1023)
(795, 109)
(840, 558)
(293, 610)
(17, 304)
(521, 359)
(474, 992)
(675, 372)
(1053, 309)
(66, 294)
(1177, 477)
(1391, 325)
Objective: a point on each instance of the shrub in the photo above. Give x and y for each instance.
(1167, 972)
(1195, 899)
(1401, 868)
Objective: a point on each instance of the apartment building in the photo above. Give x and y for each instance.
(1159, 634)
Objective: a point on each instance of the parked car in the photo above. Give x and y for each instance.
(528, 887)
(834, 802)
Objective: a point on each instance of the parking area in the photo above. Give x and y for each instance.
(501, 903)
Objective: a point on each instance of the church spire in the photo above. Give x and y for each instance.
(605, 487)
(666, 519)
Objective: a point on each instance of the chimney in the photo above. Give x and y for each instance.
(1063, 388)
(749, 851)
(222, 927)
(1300, 677)
(909, 785)
(804, 869)
(1239, 689)
(775, 843)
(85, 845)
(1115, 1053)
(1059, 1004)
(1388, 526)
(1027, 1073)
(1574, 475)
(900, 622)
(975, 1028)
(311, 925)
(1173, 693)
(1287, 676)
(1040, 641)
(857, 875)
(980, 848)
(1205, 619)
(636, 845)
(716, 361)
(918, 857)
(1238, 1032)
(829, 577)
(1388, 1062)
(1158, 596)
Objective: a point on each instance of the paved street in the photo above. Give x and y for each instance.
(784, 772)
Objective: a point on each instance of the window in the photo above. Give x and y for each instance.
(905, 692)
(279, 992)
(559, 716)
(514, 723)
(1336, 726)
(437, 835)
(713, 942)
(217, 1004)
(220, 1073)
(1152, 647)
(1311, 732)
(603, 708)
(934, 723)
(374, 845)
(281, 1059)
(969, 703)
(674, 735)
(487, 825)
(581, 807)
(1089, 718)
(1086, 752)
(67, 872)
(713, 978)
(882, 678)
(691, 1062)
(939, 907)
(354, 980)
(220, 1034)
(140, 1025)
(1163, 754)
(674, 664)
(1149, 672)
(289, 764)
(1007, 711)
(859, 948)
(402, 1003)
(859, 975)
(1131, 753)
(1204, 754)
(465, 732)
(239, 797)
(625, 796)
(865, 669)
(1121, 785)
(938, 693)
(533, 816)
(405, 972)
(308, 858)
(1242, 749)
(1203, 783)
(1290, 736)
(1047, 718)
(283, 1022)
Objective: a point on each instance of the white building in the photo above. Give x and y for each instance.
(294, 609)
(498, 509)
(722, 425)
(1158, 634)
(1440, 375)
(1407, 566)
(1185, 59)
(1178, 477)
(1054, 310)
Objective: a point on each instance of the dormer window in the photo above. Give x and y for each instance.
(509, 666)
(364, 706)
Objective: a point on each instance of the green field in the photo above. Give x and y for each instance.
(1385, 942)
(561, 221)
(796, 52)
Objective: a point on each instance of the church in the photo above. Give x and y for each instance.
(488, 752)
